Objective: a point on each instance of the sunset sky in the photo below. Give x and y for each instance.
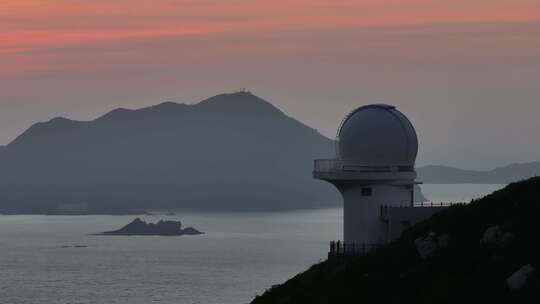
(467, 72)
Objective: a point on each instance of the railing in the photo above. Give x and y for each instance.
(339, 248)
(339, 165)
(385, 209)
(326, 165)
(435, 204)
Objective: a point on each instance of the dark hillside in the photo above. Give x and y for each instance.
(470, 267)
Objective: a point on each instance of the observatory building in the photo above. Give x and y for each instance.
(374, 171)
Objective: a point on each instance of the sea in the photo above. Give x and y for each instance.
(56, 259)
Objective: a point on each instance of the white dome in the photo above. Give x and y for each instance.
(377, 135)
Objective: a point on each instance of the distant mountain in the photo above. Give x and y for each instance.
(501, 175)
(229, 152)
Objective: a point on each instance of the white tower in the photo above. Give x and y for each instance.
(374, 167)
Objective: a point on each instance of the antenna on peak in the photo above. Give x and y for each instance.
(243, 90)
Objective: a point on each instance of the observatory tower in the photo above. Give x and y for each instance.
(374, 170)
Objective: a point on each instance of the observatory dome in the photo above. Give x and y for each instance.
(377, 135)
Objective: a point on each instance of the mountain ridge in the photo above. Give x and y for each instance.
(230, 148)
(437, 174)
(228, 152)
(216, 102)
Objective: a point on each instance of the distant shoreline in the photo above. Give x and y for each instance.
(429, 197)
(77, 214)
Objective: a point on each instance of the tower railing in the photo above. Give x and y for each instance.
(435, 204)
(339, 165)
(384, 211)
(340, 248)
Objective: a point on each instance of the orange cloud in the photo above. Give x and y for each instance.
(122, 15)
(30, 39)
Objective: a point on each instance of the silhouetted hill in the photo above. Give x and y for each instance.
(501, 175)
(473, 250)
(229, 152)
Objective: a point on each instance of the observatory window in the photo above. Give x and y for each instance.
(367, 191)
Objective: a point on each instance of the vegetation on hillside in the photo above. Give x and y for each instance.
(464, 270)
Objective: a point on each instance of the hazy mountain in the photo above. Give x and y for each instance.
(229, 152)
(501, 175)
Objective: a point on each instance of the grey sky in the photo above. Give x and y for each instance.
(472, 90)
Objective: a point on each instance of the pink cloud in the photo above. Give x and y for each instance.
(32, 25)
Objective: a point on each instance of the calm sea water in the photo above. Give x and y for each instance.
(240, 256)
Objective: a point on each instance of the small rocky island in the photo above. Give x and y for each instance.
(164, 228)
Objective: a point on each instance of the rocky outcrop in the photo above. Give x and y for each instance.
(191, 231)
(494, 235)
(427, 245)
(140, 227)
(519, 278)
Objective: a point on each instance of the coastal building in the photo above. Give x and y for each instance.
(374, 172)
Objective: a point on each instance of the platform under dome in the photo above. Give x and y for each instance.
(378, 135)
